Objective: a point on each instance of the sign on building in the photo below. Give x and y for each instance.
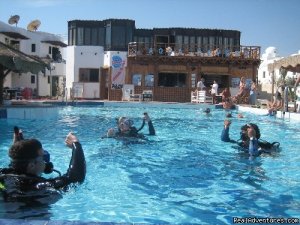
(118, 72)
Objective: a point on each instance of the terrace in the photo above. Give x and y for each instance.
(141, 49)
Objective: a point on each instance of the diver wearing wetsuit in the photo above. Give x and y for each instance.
(127, 130)
(245, 140)
(22, 180)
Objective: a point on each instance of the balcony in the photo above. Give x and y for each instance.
(57, 69)
(136, 49)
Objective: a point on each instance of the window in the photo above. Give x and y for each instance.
(94, 75)
(149, 80)
(108, 36)
(220, 42)
(211, 42)
(101, 36)
(137, 79)
(199, 42)
(147, 42)
(88, 75)
(73, 36)
(141, 39)
(48, 79)
(87, 36)
(192, 44)
(70, 37)
(118, 37)
(193, 80)
(33, 79)
(186, 42)
(172, 79)
(205, 44)
(94, 36)
(226, 43)
(178, 42)
(80, 36)
(50, 50)
(231, 44)
(15, 44)
(32, 47)
(264, 74)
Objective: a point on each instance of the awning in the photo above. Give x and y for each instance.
(14, 35)
(290, 63)
(18, 61)
(56, 43)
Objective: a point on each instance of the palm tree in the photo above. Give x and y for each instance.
(16, 61)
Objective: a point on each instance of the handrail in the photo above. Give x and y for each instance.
(205, 50)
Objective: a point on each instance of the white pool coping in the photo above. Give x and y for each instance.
(280, 114)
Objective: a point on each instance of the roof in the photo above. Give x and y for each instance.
(290, 63)
(16, 60)
(14, 35)
(56, 43)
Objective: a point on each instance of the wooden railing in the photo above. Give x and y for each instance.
(163, 49)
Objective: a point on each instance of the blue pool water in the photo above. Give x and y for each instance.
(184, 174)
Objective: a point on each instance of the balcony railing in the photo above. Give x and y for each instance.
(163, 49)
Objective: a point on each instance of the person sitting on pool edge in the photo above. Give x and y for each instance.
(228, 104)
(126, 128)
(276, 105)
(22, 180)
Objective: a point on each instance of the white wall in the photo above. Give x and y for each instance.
(91, 57)
(70, 67)
(91, 90)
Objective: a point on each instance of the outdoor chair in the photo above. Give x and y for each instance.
(128, 93)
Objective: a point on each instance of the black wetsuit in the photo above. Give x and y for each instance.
(29, 188)
(225, 135)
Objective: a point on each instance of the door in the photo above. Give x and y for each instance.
(104, 82)
(54, 86)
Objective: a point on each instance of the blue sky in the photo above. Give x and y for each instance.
(262, 22)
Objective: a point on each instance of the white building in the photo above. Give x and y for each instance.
(84, 72)
(266, 78)
(47, 47)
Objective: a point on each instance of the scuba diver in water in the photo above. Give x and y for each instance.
(244, 138)
(250, 139)
(127, 130)
(22, 180)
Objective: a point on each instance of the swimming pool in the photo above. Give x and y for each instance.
(184, 174)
